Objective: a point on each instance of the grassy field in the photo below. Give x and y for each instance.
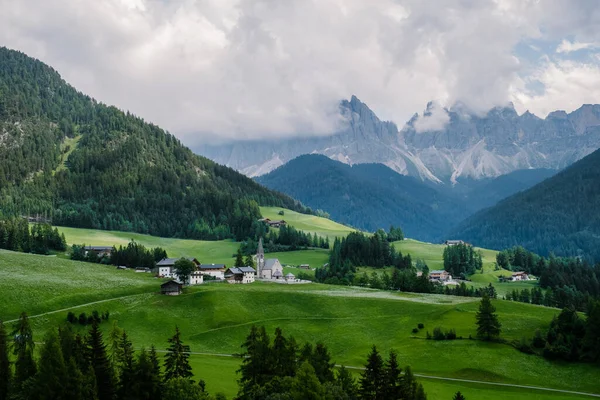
(308, 223)
(215, 319)
(38, 284)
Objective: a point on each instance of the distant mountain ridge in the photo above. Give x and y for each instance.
(559, 216)
(468, 146)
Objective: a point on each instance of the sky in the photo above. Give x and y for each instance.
(220, 70)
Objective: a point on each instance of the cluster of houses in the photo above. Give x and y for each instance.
(266, 269)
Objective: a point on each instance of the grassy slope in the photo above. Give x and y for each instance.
(215, 319)
(308, 223)
(37, 284)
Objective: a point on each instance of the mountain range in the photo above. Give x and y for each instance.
(467, 146)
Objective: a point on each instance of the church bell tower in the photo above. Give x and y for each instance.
(260, 258)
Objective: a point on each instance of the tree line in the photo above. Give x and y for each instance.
(461, 260)
(133, 255)
(569, 281)
(281, 369)
(17, 235)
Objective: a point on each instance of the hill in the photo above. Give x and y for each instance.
(368, 196)
(214, 319)
(81, 163)
(559, 216)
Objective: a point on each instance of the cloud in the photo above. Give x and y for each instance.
(567, 47)
(434, 119)
(222, 69)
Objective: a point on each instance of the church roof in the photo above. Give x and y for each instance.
(269, 263)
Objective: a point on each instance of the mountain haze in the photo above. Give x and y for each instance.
(84, 164)
(561, 215)
(468, 146)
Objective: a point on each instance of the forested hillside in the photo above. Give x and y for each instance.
(560, 215)
(367, 196)
(123, 174)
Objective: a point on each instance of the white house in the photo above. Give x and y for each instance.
(519, 276)
(216, 270)
(166, 269)
(439, 275)
(240, 275)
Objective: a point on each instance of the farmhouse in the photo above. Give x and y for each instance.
(276, 224)
(166, 267)
(171, 288)
(304, 266)
(453, 242)
(519, 276)
(240, 275)
(196, 278)
(216, 270)
(439, 275)
(99, 251)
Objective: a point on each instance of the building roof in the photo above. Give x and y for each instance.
(437, 272)
(240, 270)
(171, 283)
(277, 273)
(519, 273)
(169, 262)
(98, 248)
(276, 222)
(270, 262)
(454, 241)
(290, 276)
(212, 266)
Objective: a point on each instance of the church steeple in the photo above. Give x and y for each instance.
(260, 258)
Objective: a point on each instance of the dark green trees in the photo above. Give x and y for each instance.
(488, 326)
(23, 345)
(5, 371)
(458, 396)
(461, 260)
(100, 363)
(177, 363)
(239, 259)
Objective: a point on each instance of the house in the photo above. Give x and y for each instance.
(439, 275)
(453, 242)
(166, 267)
(99, 251)
(196, 278)
(304, 266)
(290, 277)
(171, 288)
(265, 220)
(276, 224)
(216, 270)
(240, 275)
(519, 276)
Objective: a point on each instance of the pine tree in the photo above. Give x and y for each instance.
(249, 261)
(284, 360)
(320, 361)
(458, 396)
(177, 363)
(146, 382)
(100, 363)
(488, 325)
(306, 385)
(52, 374)
(256, 368)
(392, 385)
(239, 260)
(5, 369)
(371, 381)
(126, 366)
(23, 345)
(345, 380)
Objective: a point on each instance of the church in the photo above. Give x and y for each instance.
(270, 268)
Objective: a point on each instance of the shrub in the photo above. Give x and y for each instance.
(438, 334)
(538, 340)
(83, 319)
(524, 346)
(421, 326)
(281, 212)
(451, 334)
(96, 316)
(415, 330)
(71, 317)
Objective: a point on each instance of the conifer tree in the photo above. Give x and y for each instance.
(249, 261)
(284, 357)
(5, 368)
(321, 362)
(52, 375)
(256, 364)
(100, 364)
(371, 381)
(126, 367)
(488, 325)
(306, 385)
(177, 363)
(346, 382)
(458, 396)
(23, 345)
(392, 385)
(239, 259)
(146, 383)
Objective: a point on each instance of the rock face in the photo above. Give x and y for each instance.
(466, 146)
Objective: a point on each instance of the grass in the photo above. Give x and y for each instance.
(308, 223)
(37, 284)
(216, 318)
(72, 144)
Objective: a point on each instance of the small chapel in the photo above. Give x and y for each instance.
(270, 268)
